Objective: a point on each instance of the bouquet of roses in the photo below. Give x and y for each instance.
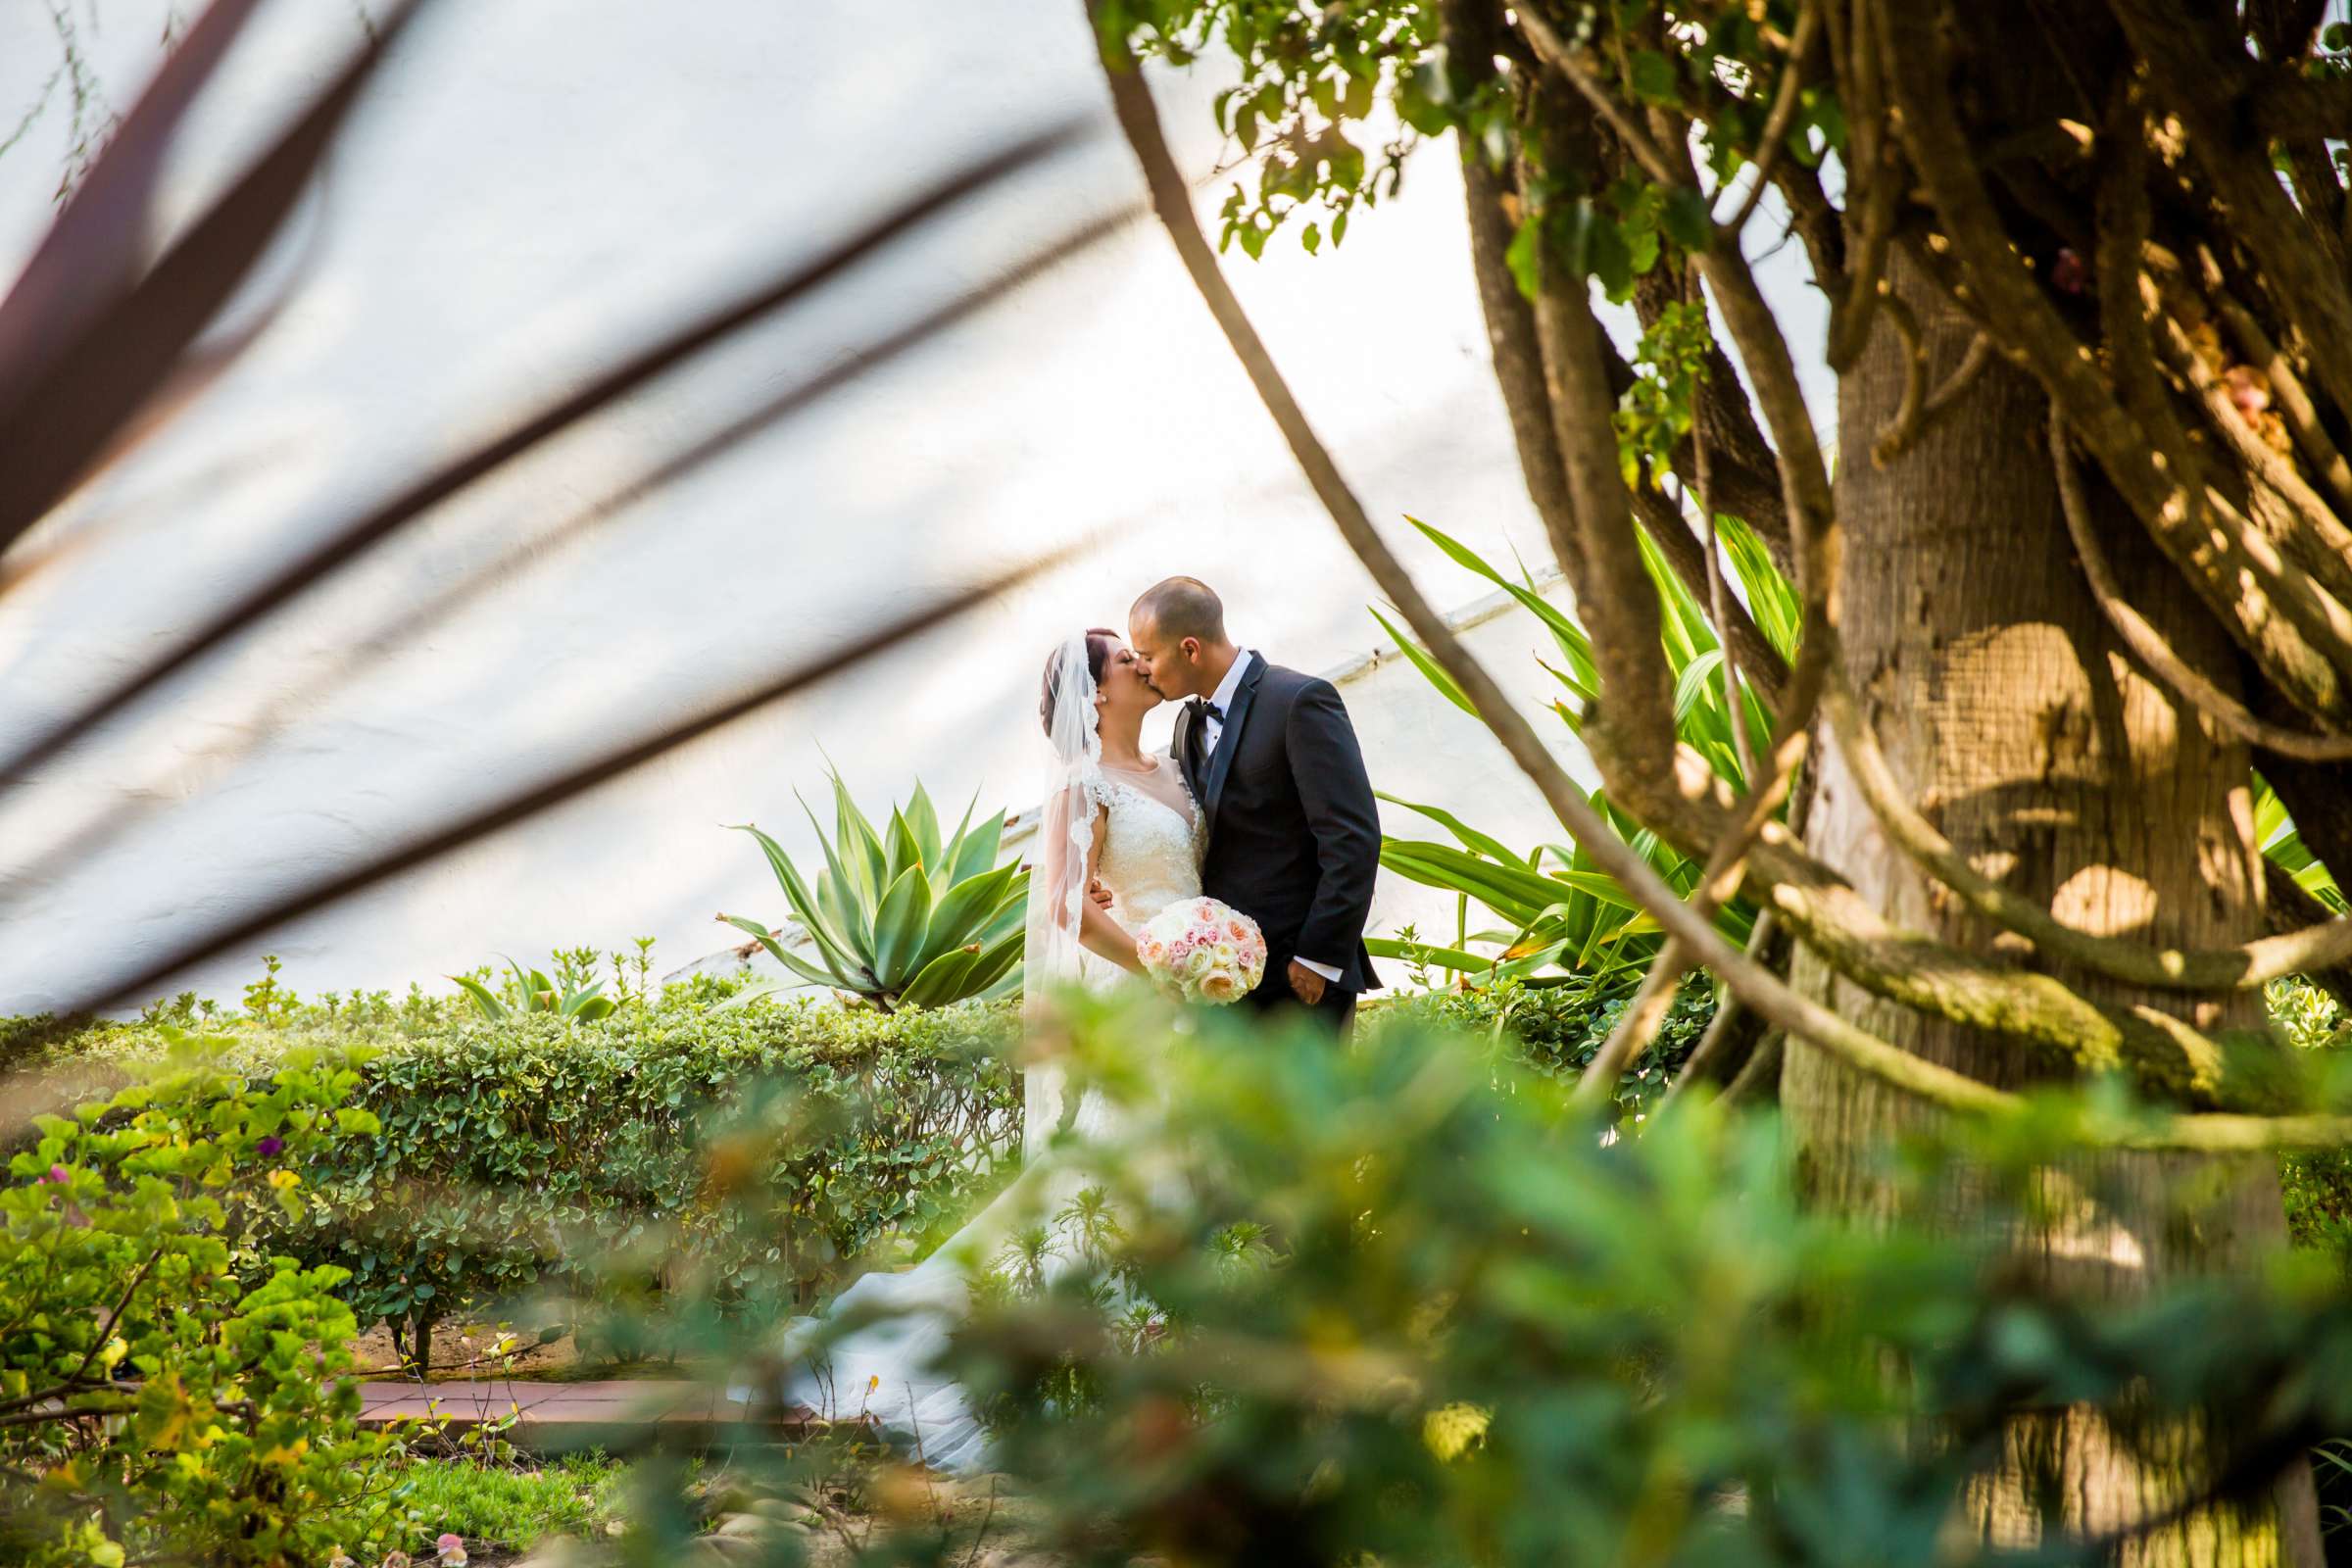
(1202, 951)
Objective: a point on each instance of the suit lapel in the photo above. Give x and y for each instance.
(1220, 761)
(1185, 746)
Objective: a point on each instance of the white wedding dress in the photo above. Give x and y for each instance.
(883, 1372)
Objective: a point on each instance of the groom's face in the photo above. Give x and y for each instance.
(1169, 668)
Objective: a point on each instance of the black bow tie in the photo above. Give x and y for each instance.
(1202, 707)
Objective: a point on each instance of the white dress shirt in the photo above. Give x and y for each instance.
(1222, 702)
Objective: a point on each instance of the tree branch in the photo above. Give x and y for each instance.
(1621, 609)
(1903, 427)
(1784, 110)
(2212, 969)
(1563, 57)
(2289, 104)
(1638, 1024)
(1734, 703)
(2294, 403)
(2177, 50)
(1797, 444)
(1898, 438)
(2241, 590)
(2128, 298)
(2287, 908)
(1814, 222)
(1471, 37)
(1734, 1034)
(1670, 531)
(2322, 544)
(2149, 645)
(1743, 474)
(1763, 1066)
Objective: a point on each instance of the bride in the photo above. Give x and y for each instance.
(1115, 817)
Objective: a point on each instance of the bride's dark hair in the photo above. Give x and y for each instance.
(1099, 641)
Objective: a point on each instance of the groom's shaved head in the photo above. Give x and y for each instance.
(1177, 630)
(1181, 607)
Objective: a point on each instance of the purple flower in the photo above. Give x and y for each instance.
(57, 1174)
(268, 1148)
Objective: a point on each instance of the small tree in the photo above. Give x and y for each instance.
(167, 1392)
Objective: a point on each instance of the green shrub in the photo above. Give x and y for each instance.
(172, 1390)
(538, 1154)
(2317, 1182)
(531, 1156)
(1484, 1336)
(1557, 1030)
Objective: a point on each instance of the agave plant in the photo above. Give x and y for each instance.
(899, 917)
(1564, 914)
(565, 998)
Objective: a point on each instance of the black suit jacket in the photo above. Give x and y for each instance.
(1294, 834)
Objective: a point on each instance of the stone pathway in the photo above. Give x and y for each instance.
(565, 1415)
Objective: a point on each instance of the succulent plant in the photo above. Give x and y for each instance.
(565, 998)
(899, 917)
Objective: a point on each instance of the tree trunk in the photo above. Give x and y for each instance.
(2007, 709)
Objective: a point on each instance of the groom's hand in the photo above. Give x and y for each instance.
(1101, 894)
(1306, 985)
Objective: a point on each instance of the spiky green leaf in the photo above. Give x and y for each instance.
(942, 980)
(828, 921)
(485, 1000)
(900, 925)
(783, 955)
(1428, 666)
(968, 907)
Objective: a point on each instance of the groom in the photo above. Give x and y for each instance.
(1294, 838)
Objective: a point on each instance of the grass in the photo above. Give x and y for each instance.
(513, 1506)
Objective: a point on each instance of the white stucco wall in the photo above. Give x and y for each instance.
(534, 185)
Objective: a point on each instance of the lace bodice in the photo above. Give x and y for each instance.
(1151, 846)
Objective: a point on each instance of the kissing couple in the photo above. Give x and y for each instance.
(1261, 803)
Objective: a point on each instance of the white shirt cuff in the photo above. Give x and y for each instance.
(1323, 970)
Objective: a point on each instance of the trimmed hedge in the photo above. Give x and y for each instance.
(534, 1154)
(529, 1154)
